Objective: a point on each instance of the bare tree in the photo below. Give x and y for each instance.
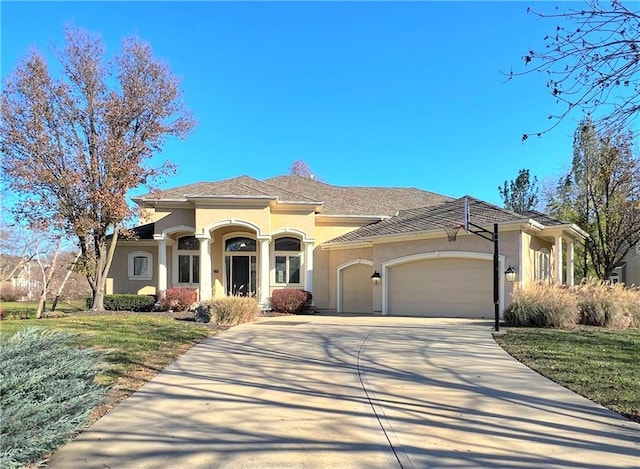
(601, 194)
(591, 62)
(70, 268)
(301, 168)
(74, 146)
(18, 248)
(47, 269)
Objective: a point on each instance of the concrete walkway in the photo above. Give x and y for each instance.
(354, 392)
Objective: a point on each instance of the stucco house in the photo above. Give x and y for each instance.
(246, 236)
(628, 271)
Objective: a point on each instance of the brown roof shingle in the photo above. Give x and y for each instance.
(436, 217)
(347, 200)
(242, 186)
(335, 200)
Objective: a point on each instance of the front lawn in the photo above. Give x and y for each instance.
(140, 344)
(601, 364)
(27, 309)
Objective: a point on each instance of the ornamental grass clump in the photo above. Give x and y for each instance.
(232, 310)
(606, 305)
(47, 390)
(542, 305)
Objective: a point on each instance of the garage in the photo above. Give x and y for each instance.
(449, 287)
(356, 289)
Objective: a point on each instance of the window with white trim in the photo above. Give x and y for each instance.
(543, 271)
(288, 261)
(188, 259)
(140, 265)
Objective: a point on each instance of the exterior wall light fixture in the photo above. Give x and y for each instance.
(510, 274)
(375, 278)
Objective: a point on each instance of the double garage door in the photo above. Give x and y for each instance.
(450, 287)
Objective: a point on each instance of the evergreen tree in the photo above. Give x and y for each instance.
(521, 194)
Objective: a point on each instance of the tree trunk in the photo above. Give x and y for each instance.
(103, 265)
(64, 282)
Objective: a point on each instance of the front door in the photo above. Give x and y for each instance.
(241, 275)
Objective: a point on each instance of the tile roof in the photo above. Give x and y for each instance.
(348, 200)
(436, 217)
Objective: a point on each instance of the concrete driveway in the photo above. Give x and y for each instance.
(354, 392)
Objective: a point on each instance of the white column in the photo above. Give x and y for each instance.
(308, 262)
(162, 264)
(264, 273)
(570, 260)
(559, 260)
(205, 267)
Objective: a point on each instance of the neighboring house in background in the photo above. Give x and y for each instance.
(246, 236)
(628, 272)
(24, 283)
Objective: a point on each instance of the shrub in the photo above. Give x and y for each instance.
(177, 299)
(603, 304)
(123, 302)
(13, 293)
(47, 390)
(290, 300)
(542, 305)
(233, 310)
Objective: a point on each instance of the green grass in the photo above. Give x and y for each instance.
(27, 309)
(139, 344)
(603, 365)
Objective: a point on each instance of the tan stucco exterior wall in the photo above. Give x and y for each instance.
(168, 218)
(326, 231)
(530, 247)
(259, 217)
(118, 278)
(304, 222)
(326, 274)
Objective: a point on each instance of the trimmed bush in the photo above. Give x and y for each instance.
(603, 304)
(124, 302)
(290, 300)
(47, 390)
(177, 299)
(232, 310)
(542, 305)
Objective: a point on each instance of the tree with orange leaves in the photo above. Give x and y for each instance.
(73, 145)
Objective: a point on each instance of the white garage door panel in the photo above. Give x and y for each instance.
(357, 289)
(441, 287)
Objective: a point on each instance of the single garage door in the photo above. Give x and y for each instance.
(357, 289)
(450, 287)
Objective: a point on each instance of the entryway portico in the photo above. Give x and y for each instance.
(234, 257)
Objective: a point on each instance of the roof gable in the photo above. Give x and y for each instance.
(239, 187)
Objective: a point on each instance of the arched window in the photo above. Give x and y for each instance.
(139, 265)
(543, 272)
(288, 260)
(240, 244)
(188, 259)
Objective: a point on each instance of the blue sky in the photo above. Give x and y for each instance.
(406, 94)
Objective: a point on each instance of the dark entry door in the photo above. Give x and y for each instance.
(241, 275)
